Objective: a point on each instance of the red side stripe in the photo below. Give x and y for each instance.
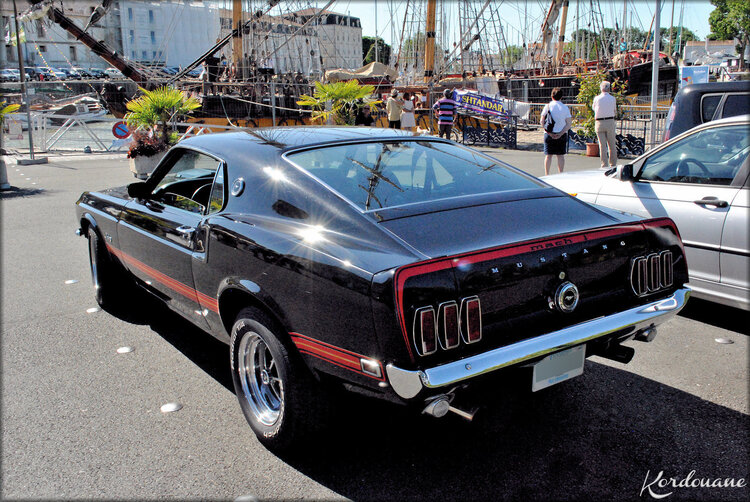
(342, 358)
(202, 299)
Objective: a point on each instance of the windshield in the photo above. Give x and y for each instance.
(386, 174)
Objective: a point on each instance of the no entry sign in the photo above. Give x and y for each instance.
(120, 130)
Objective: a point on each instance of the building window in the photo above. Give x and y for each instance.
(10, 53)
(150, 16)
(73, 55)
(130, 13)
(39, 28)
(143, 55)
(42, 48)
(132, 36)
(225, 23)
(132, 54)
(153, 54)
(153, 37)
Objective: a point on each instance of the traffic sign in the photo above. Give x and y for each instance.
(120, 130)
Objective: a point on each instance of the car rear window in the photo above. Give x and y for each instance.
(709, 104)
(385, 174)
(737, 104)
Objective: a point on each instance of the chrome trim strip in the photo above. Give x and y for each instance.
(407, 383)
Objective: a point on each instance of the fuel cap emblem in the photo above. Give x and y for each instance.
(566, 297)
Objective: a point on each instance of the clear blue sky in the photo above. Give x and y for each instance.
(695, 14)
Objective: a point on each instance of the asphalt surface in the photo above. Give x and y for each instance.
(80, 421)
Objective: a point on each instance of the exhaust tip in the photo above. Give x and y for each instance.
(438, 407)
(646, 335)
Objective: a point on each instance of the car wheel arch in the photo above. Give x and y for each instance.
(88, 221)
(233, 298)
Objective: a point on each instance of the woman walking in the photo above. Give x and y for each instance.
(556, 120)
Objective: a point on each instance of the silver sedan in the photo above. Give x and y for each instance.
(700, 179)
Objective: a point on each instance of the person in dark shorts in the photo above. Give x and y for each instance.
(556, 140)
(445, 109)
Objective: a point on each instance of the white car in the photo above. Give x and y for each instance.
(700, 179)
(113, 73)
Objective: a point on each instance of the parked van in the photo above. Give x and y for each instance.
(698, 103)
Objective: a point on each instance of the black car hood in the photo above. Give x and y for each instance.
(453, 230)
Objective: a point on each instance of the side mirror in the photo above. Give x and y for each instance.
(139, 190)
(622, 172)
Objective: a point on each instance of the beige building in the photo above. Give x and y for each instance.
(275, 42)
(340, 38)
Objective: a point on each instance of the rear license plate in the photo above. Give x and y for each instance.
(558, 367)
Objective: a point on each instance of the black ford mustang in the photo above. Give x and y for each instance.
(397, 266)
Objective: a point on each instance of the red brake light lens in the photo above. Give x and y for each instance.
(425, 336)
(471, 319)
(449, 332)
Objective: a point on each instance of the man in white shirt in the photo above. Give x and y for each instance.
(605, 110)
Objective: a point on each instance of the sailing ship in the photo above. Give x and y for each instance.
(424, 63)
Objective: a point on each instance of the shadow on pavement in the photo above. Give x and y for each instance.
(592, 438)
(720, 316)
(15, 192)
(208, 353)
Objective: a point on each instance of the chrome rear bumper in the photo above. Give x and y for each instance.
(407, 383)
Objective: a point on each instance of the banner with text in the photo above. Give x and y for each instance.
(480, 104)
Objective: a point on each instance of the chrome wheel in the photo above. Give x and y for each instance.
(262, 388)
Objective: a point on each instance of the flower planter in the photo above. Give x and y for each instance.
(143, 166)
(592, 149)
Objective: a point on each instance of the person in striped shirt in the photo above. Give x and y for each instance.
(445, 109)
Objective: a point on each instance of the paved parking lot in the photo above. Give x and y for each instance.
(80, 420)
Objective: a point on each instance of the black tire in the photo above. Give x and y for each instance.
(103, 271)
(280, 399)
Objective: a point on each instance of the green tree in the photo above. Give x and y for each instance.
(368, 50)
(731, 20)
(589, 90)
(687, 36)
(343, 98)
(511, 54)
(154, 109)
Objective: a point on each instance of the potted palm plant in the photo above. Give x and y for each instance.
(339, 101)
(589, 90)
(149, 115)
(4, 110)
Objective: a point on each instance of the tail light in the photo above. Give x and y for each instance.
(451, 325)
(651, 273)
(471, 319)
(425, 336)
(448, 323)
(666, 269)
(654, 272)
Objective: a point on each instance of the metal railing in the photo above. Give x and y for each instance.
(633, 120)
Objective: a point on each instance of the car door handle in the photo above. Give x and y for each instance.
(186, 232)
(154, 206)
(711, 201)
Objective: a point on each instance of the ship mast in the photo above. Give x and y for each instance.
(561, 38)
(429, 49)
(237, 34)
